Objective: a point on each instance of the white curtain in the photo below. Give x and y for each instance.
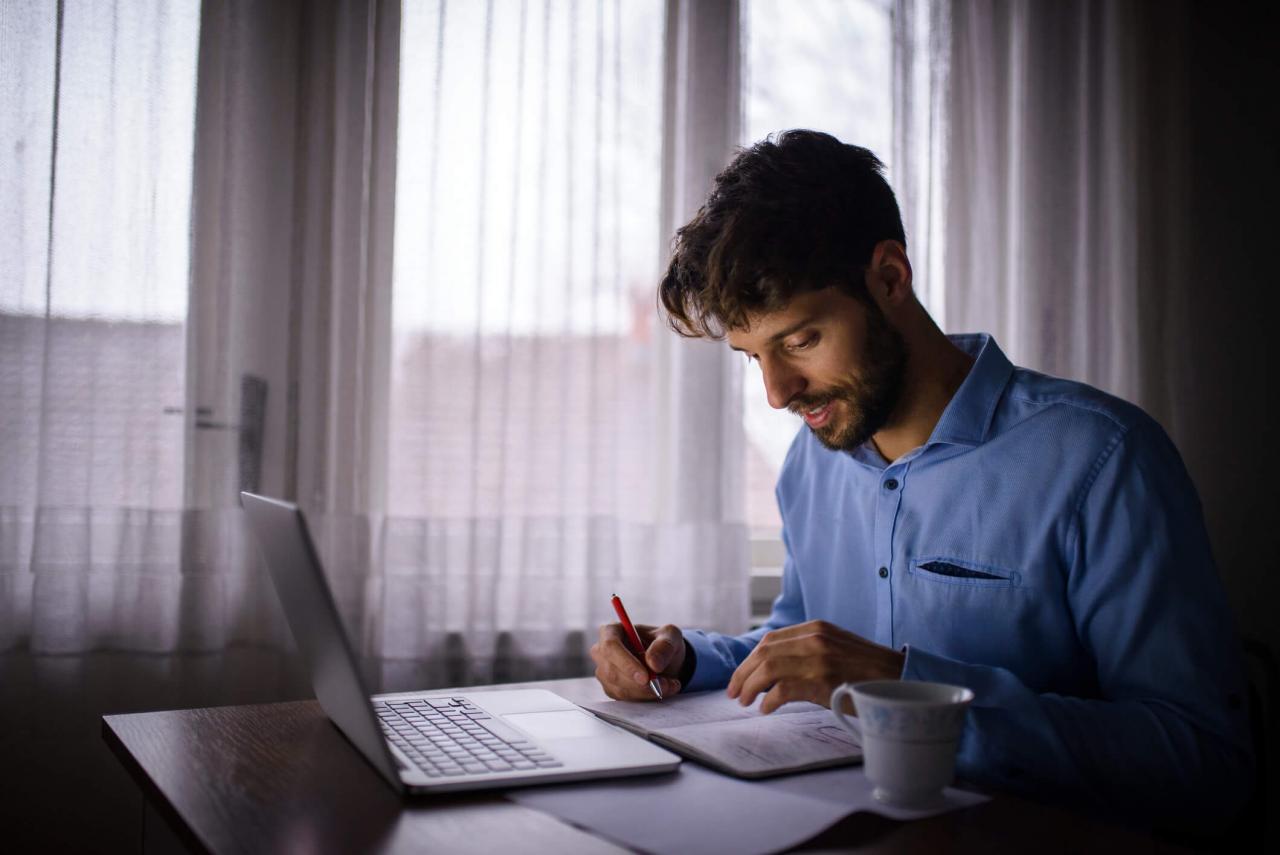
(291, 291)
(1059, 159)
(477, 406)
(921, 80)
(551, 443)
(95, 121)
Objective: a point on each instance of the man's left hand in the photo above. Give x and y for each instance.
(805, 662)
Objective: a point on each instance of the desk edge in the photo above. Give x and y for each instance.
(150, 791)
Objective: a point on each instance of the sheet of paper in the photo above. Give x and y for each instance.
(849, 785)
(759, 744)
(699, 811)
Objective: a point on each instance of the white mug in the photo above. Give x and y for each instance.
(909, 731)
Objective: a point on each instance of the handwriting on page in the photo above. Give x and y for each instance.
(761, 743)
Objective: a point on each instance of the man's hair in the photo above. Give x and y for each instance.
(798, 211)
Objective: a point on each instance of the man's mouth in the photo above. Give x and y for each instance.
(818, 416)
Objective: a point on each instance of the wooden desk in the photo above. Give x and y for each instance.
(281, 778)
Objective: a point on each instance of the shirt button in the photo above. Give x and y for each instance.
(891, 484)
(884, 572)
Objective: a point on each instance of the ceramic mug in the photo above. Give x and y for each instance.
(909, 731)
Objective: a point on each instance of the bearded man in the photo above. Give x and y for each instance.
(950, 517)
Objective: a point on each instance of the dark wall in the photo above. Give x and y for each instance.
(1235, 190)
(1232, 336)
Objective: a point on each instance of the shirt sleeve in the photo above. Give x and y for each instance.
(719, 655)
(1167, 739)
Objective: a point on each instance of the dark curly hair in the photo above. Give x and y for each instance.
(798, 211)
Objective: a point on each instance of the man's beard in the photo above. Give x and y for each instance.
(869, 400)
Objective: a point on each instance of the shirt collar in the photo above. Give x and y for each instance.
(967, 418)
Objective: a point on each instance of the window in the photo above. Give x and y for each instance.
(93, 305)
(828, 69)
(527, 212)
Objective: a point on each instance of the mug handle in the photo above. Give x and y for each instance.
(849, 723)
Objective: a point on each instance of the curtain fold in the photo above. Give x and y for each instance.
(921, 81)
(95, 107)
(291, 294)
(1066, 188)
(478, 409)
(551, 443)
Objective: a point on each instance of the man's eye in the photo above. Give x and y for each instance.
(806, 342)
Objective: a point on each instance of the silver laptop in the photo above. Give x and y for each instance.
(426, 741)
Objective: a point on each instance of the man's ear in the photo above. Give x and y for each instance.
(889, 274)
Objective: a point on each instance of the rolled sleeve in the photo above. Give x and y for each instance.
(719, 655)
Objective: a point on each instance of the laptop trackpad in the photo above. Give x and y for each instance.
(558, 724)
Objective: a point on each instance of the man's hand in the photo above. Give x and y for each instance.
(622, 674)
(805, 662)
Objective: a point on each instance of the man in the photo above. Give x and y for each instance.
(950, 517)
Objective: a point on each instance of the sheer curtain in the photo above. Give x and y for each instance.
(291, 292)
(96, 104)
(1058, 169)
(551, 443)
(921, 80)
(198, 298)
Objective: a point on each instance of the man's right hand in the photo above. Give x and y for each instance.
(623, 675)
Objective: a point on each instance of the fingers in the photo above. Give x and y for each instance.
(816, 638)
(621, 688)
(620, 673)
(770, 672)
(665, 653)
(612, 649)
(805, 662)
(787, 691)
(765, 647)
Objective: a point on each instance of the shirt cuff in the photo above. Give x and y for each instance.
(708, 671)
(687, 667)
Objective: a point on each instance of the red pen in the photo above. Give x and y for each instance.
(636, 646)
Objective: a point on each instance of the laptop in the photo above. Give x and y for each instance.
(427, 742)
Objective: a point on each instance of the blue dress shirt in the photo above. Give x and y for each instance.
(1045, 548)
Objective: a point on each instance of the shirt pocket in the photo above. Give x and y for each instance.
(946, 570)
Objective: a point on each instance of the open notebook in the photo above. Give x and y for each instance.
(718, 732)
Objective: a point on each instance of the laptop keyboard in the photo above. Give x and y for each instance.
(448, 737)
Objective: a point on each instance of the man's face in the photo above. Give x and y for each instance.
(831, 359)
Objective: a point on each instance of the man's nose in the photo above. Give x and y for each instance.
(781, 383)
